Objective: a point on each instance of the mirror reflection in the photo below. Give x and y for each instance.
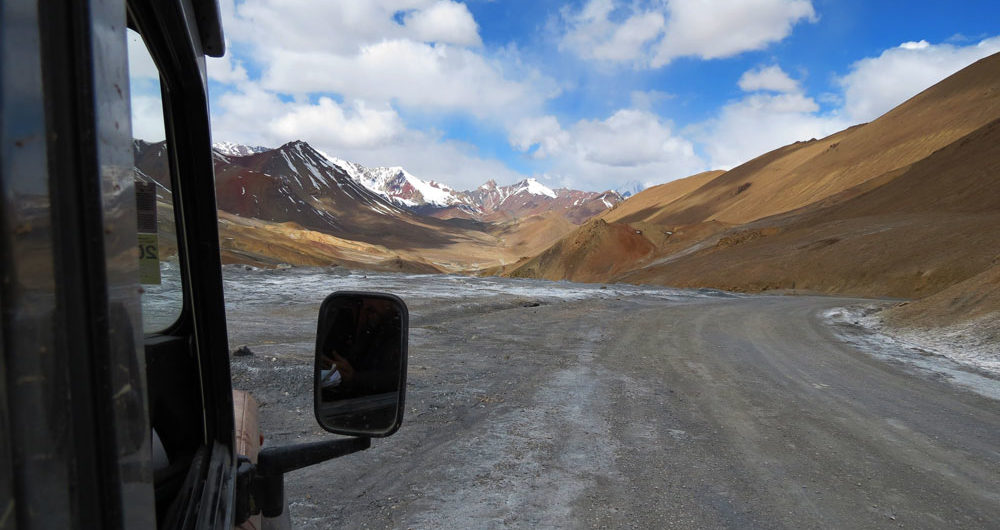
(361, 363)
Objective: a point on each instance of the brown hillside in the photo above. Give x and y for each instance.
(653, 201)
(268, 244)
(597, 250)
(931, 226)
(974, 298)
(530, 236)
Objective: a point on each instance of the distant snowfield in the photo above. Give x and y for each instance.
(959, 353)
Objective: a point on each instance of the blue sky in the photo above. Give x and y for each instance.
(590, 94)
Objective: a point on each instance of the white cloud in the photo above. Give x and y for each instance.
(444, 21)
(430, 77)
(147, 118)
(877, 84)
(144, 91)
(423, 54)
(340, 26)
(542, 137)
(629, 138)
(226, 70)
(771, 78)
(593, 35)
(350, 126)
(629, 145)
(713, 29)
(656, 35)
(140, 64)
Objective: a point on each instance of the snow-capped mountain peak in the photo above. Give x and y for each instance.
(534, 187)
(234, 149)
(399, 185)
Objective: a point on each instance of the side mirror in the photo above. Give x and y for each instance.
(359, 380)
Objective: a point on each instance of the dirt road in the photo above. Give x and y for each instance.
(619, 411)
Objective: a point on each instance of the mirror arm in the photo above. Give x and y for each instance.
(279, 460)
(268, 482)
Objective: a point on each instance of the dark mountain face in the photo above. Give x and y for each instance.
(294, 183)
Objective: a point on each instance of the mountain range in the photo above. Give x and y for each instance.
(490, 202)
(294, 204)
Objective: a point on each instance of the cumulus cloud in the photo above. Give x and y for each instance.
(655, 35)
(629, 145)
(414, 74)
(771, 78)
(875, 85)
(713, 29)
(351, 125)
(144, 92)
(226, 70)
(339, 26)
(140, 64)
(423, 54)
(593, 35)
(147, 118)
(444, 22)
(541, 136)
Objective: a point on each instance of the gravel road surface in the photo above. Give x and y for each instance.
(621, 408)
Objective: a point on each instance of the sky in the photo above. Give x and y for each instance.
(592, 95)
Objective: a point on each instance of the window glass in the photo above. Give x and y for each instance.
(159, 268)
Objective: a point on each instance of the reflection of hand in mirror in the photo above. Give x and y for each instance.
(345, 368)
(335, 369)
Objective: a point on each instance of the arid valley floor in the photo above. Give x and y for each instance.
(552, 404)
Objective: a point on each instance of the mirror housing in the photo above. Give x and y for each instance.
(359, 376)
